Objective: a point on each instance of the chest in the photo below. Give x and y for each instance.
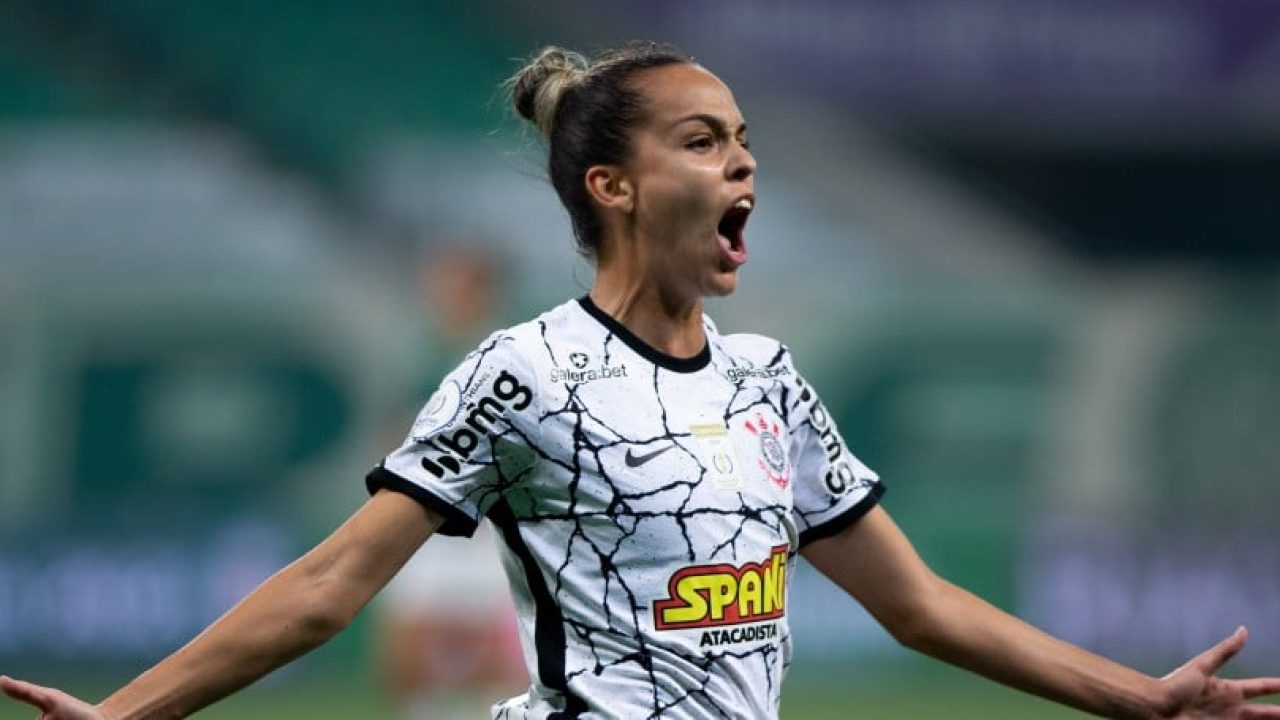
(697, 445)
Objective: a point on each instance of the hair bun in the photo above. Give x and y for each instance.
(537, 88)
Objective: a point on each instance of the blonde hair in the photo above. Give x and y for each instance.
(537, 88)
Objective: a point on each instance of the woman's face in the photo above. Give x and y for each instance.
(692, 176)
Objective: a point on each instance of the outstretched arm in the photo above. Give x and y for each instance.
(294, 611)
(876, 564)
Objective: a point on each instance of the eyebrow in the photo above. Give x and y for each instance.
(716, 124)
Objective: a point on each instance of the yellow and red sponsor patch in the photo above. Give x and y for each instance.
(703, 596)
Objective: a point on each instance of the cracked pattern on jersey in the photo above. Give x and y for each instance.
(667, 577)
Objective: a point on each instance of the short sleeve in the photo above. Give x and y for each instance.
(833, 489)
(471, 441)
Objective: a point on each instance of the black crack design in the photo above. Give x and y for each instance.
(609, 519)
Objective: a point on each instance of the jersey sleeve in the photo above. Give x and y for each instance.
(475, 437)
(833, 489)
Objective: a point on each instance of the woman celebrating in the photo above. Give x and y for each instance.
(652, 480)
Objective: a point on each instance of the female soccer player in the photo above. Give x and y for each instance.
(652, 480)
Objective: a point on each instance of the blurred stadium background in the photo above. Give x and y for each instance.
(1027, 250)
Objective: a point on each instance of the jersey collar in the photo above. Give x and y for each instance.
(647, 351)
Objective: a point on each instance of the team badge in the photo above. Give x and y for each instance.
(773, 456)
(579, 359)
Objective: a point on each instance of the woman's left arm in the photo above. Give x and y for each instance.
(875, 563)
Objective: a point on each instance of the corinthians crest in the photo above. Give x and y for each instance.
(773, 455)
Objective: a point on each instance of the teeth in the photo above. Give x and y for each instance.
(743, 204)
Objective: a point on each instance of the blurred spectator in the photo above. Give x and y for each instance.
(447, 637)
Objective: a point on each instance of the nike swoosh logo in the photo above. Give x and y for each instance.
(634, 460)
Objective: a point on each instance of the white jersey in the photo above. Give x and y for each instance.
(650, 508)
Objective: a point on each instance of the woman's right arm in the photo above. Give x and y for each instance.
(293, 612)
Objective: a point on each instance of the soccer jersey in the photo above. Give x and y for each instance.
(650, 508)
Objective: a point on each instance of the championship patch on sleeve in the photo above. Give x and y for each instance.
(439, 411)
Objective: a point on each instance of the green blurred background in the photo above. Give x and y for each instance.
(1027, 252)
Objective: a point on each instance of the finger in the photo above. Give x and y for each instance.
(1257, 687)
(1215, 657)
(28, 693)
(1260, 712)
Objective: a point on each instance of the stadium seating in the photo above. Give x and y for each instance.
(299, 77)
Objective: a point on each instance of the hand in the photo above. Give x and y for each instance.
(53, 704)
(1195, 692)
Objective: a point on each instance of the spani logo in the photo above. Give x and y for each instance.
(704, 596)
(506, 393)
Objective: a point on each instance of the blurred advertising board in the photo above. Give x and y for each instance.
(1092, 66)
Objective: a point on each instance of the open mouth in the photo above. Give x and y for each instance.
(733, 244)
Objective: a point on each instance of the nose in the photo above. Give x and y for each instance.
(742, 165)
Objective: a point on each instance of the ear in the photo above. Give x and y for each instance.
(610, 187)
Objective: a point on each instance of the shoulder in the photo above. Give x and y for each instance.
(507, 362)
(753, 354)
(534, 350)
(526, 342)
(753, 345)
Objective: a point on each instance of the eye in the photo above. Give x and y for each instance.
(745, 143)
(702, 142)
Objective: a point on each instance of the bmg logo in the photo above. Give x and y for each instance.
(839, 478)
(506, 393)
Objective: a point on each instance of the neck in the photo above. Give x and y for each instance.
(665, 320)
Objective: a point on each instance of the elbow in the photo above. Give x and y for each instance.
(319, 624)
(912, 630)
(915, 622)
(323, 613)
